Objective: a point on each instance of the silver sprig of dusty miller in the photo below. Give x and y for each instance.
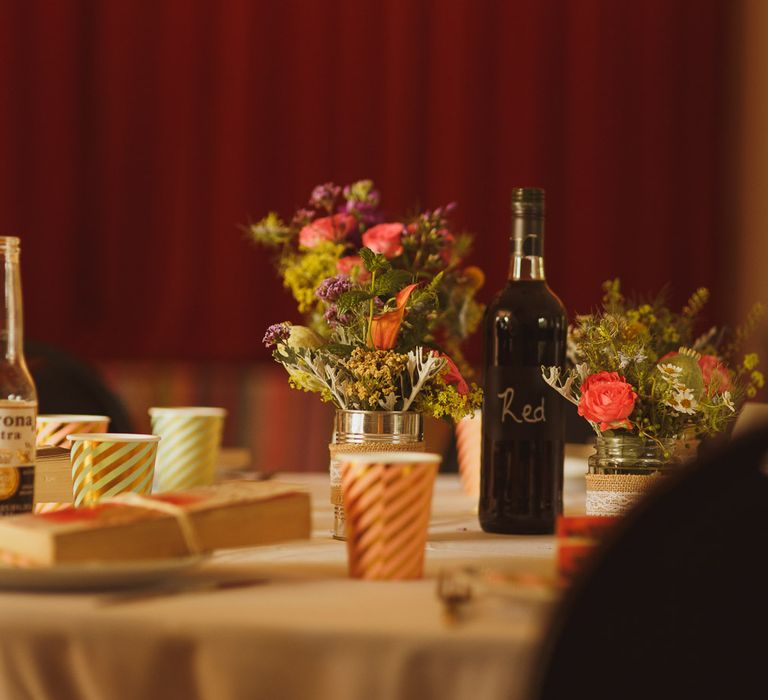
(316, 370)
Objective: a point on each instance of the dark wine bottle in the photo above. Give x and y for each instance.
(521, 477)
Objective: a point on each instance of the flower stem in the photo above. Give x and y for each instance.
(368, 337)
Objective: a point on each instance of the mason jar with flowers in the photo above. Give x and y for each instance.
(386, 305)
(651, 389)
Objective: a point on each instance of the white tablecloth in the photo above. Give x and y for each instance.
(301, 630)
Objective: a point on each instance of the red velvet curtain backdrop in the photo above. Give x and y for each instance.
(135, 137)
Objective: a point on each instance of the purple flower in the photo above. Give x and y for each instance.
(324, 196)
(333, 318)
(446, 210)
(331, 288)
(277, 333)
(362, 200)
(302, 217)
(366, 212)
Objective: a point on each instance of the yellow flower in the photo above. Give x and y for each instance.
(302, 274)
(750, 361)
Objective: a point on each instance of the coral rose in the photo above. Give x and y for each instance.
(717, 379)
(349, 263)
(608, 400)
(385, 239)
(327, 228)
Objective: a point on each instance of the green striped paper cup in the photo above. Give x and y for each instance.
(106, 464)
(189, 450)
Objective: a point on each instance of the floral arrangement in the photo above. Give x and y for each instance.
(638, 368)
(386, 303)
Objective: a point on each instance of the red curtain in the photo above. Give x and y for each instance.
(136, 137)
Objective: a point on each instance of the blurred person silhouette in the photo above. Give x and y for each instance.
(675, 602)
(66, 384)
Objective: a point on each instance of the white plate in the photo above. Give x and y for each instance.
(89, 576)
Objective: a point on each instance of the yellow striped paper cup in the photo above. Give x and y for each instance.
(52, 429)
(190, 448)
(387, 501)
(106, 464)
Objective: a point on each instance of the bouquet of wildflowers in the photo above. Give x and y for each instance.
(386, 304)
(638, 368)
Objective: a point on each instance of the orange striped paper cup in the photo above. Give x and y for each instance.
(468, 441)
(53, 428)
(387, 501)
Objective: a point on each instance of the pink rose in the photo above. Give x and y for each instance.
(607, 399)
(327, 228)
(717, 379)
(453, 376)
(384, 239)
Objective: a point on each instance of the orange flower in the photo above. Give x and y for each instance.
(386, 326)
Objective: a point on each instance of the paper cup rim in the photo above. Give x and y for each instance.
(188, 411)
(387, 457)
(71, 417)
(114, 437)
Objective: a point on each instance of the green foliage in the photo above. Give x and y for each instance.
(374, 262)
(391, 282)
(696, 303)
(348, 300)
(271, 231)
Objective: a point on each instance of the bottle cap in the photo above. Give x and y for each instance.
(10, 243)
(528, 201)
(527, 238)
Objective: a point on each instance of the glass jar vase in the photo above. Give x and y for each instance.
(625, 467)
(369, 431)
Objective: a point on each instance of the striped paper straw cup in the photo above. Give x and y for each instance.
(468, 441)
(189, 450)
(387, 500)
(52, 429)
(106, 464)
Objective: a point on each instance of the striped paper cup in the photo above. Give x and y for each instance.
(387, 500)
(468, 441)
(106, 464)
(190, 447)
(52, 429)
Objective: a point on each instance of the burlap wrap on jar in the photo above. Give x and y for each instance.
(624, 468)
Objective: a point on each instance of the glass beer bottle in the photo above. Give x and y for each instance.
(18, 397)
(521, 477)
